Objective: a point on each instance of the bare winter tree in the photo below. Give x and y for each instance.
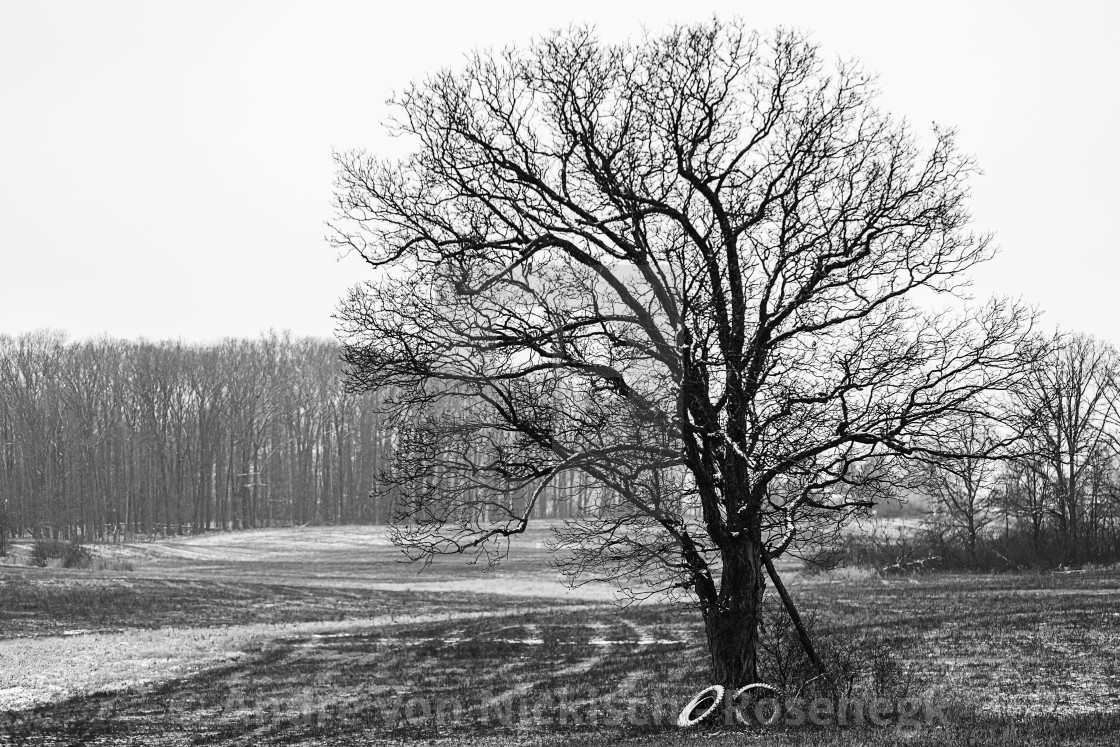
(963, 481)
(1067, 409)
(690, 270)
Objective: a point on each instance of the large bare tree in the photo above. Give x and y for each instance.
(690, 269)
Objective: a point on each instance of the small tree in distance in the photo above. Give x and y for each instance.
(690, 269)
(963, 485)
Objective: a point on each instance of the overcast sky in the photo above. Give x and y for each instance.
(165, 168)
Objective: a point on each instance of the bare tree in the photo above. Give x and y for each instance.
(963, 482)
(1066, 410)
(685, 268)
(1024, 496)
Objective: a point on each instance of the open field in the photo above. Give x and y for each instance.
(316, 636)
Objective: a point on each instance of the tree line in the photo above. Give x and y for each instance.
(108, 437)
(101, 439)
(104, 439)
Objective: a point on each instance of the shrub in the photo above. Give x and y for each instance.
(110, 564)
(859, 666)
(70, 554)
(930, 550)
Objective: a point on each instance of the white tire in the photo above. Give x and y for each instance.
(700, 707)
(757, 689)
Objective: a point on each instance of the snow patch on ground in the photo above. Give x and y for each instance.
(37, 671)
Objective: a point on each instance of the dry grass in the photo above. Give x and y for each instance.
(1021, 657)
(51, 669)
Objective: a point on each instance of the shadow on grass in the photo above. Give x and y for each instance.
(493, 677)
(599, 675)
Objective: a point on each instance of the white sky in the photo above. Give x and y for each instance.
(165, 168)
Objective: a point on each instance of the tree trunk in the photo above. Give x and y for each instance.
(732, 622)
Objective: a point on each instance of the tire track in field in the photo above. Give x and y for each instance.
(50, 669)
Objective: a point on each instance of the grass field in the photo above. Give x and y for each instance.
(317, 637)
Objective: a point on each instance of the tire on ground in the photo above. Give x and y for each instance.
(700, 707)
(760, 690)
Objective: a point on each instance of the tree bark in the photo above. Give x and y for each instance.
(732, 619)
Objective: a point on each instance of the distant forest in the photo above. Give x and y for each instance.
(107, 439)
(102, 439)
